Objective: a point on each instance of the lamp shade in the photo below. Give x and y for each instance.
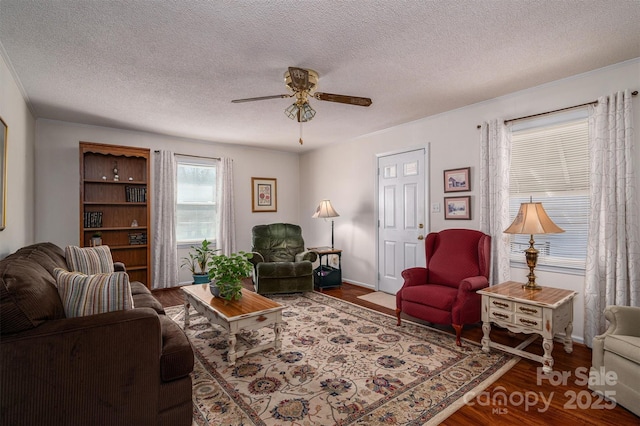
(324, 210)
(292, 111)
(532, 219)
(306, 113)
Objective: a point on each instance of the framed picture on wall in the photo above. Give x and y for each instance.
(457, 208)
(264, 195)
(3, 172)
(456, 180)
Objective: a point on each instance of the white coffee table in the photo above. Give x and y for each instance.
(251, 312)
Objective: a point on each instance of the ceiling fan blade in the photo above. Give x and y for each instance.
(299, 78)
(343, 99)
(260, 98)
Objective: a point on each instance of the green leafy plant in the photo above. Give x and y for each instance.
(198, 258)
(228, 272)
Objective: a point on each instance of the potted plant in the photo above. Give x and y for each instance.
(197, 260)
(226, 274)
(96, 239)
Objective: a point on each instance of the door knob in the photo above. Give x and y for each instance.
(421, 237)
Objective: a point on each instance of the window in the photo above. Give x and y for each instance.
(196, 210)
(550, 163)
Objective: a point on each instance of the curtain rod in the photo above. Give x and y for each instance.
(634, 93)
(192, 156)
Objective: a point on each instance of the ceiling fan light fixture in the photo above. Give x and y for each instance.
(302, 113)
(303, 84)
(292, 111)
(306, 112)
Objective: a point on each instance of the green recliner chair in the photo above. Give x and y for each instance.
(281, 263)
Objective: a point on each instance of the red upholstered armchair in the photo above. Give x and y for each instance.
(445, 291)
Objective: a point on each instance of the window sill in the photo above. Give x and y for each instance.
(549, 268)
(197, 243)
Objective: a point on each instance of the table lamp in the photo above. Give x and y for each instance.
(532, 219)
(325, 210)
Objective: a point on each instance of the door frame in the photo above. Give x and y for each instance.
(427, 197)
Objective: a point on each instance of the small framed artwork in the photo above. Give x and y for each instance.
(264, 195)
(457, 180)
(457, 208)
(3, 172)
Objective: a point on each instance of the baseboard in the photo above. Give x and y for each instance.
(359, 284)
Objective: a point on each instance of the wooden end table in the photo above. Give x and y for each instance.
(542, 312)
(326, 276)
(251, 312)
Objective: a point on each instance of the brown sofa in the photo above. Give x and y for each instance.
(118, 368)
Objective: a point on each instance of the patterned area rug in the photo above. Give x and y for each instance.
(340, 364)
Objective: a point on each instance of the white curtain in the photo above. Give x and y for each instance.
(165, 252)
(495, 156)
(226, 239)
(612, 275)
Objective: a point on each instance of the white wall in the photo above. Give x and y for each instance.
(345, 172)
(19, 199)
(57, 177)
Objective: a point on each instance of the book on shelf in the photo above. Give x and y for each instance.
(136, 194)
(137, 238)
(93, 219)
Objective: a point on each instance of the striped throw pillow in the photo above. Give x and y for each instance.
(84, 295)
(89, 260)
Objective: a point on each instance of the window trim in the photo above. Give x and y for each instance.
(196, 161)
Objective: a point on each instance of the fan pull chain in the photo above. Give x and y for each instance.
(300, 141)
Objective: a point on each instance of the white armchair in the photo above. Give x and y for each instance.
(618, 350)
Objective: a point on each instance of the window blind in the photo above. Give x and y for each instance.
(196, 208)
(550, 164)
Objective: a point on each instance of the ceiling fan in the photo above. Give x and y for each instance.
(302, 83)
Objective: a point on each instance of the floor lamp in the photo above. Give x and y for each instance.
(325, 210)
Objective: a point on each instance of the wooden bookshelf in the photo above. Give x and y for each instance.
(109, 205)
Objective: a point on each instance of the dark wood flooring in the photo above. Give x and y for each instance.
(555, 402)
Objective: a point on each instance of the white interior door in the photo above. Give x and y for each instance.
(401, 216)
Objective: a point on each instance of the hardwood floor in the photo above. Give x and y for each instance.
(531, 399)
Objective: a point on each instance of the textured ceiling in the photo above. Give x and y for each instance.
(173, 66)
